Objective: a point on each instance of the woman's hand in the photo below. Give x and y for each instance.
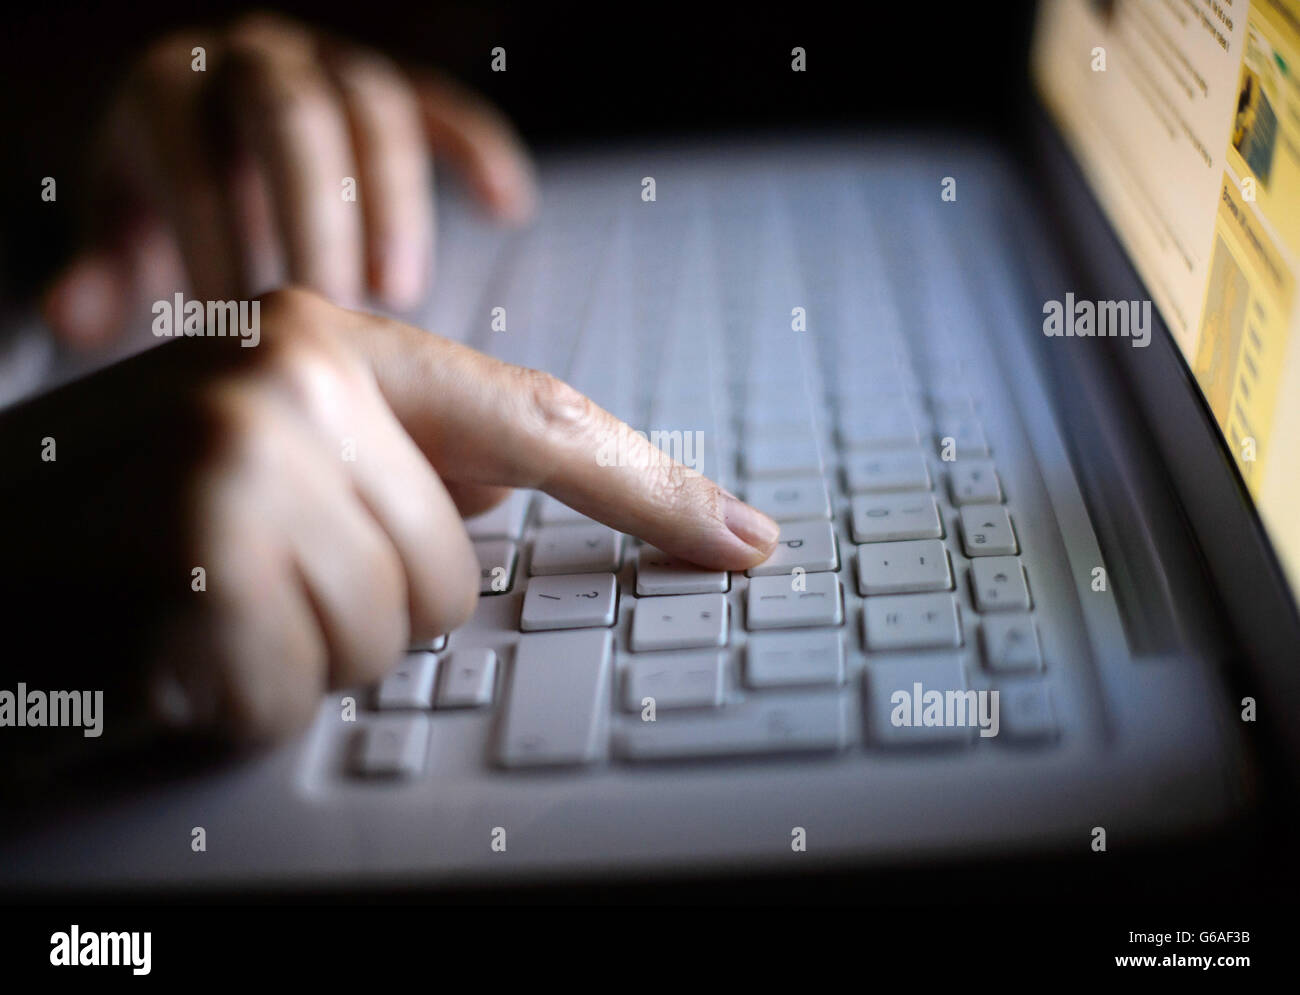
(318, 480)
(289, 156)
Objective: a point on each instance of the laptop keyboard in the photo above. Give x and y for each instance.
(766, 342)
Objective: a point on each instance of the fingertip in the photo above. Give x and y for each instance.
(739, 538)
(507, 187)
(83, 305)
(755, 529)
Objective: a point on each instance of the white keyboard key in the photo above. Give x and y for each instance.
(1025, 712)
(773, 420)
(889, 372)
(435, 645)
(559, 689)
(782, 457)
(1010, 644)
(903, 567)
(687, 621)
(950, 401)
(811, 721)
(986, 530)
(576, 549)
(674, 680)
(791, 659)
(779, 603)
(895, 716)
(910, 621)
(410, 685)
(393, 746)
(551, 511)
(658, 573)
(974, 482)
(877, 427)
(808, 545)
(505, 521)
(998, 584)
(468, 678)
(788, 499)
(581, 546)
(966, 435)
(496, 565)
(890, 517)
(904, 470)
(573, 601)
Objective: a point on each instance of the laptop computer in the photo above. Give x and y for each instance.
(1001, 405)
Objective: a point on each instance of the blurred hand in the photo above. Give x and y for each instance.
(319, 568)
(230, 180)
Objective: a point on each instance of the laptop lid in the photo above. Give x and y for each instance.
(1185, 120)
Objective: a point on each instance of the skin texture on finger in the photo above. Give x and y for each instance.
(472, 135)
(486, 422)
(395, 175)
(292, 119)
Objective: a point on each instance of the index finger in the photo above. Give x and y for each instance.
(483, 421)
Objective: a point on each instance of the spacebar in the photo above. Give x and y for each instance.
(792, 723)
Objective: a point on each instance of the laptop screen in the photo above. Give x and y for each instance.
(1185, 116)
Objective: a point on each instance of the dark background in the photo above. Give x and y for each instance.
(574, 72)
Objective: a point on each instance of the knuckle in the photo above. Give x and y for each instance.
(316, 374)
(292, 307)
(553, 406)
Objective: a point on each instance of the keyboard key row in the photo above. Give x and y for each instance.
(917, 703)
(811, 721)
(468, 677)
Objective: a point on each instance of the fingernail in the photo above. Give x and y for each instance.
(748, 524)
